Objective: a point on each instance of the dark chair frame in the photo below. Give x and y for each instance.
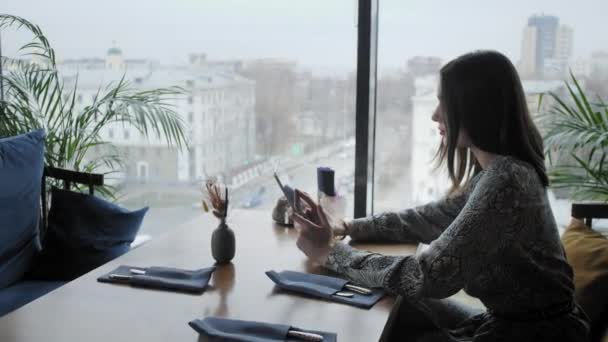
(590, 211)
(69, 178)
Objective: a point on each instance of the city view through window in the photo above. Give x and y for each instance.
(545, 40)
(270, 85)
(267, 86)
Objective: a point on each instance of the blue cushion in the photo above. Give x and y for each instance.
(21, 166)
(84, 232)
(21, 293)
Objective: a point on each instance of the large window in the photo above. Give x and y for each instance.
(272, 85)
(268, 85)
(544, 39)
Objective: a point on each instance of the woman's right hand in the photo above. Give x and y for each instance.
(340, 228)
(315, 238)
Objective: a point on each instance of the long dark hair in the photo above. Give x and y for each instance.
(481, 93)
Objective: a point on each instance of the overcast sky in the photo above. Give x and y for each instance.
(316, 33)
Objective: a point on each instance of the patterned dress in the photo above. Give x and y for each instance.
(496, 239)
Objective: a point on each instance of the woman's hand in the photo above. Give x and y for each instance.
(316, 233)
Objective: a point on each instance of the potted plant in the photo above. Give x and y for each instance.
(576, 142)
(223, 246)
(34, 96)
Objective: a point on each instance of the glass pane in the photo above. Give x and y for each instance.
(266, 85)
(418, 37)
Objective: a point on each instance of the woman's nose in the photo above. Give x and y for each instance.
(435, 116)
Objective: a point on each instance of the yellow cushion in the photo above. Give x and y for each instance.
(587, 253)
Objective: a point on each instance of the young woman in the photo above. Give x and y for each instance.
(494, 235)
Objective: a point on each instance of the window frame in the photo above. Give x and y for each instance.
(365, 108)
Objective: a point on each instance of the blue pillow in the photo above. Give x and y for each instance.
(21, 166)
(84, 232)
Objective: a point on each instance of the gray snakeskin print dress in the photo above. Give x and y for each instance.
(497, 239)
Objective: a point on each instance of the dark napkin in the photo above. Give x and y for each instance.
(323, 287)
(232, 330)
(164, 278)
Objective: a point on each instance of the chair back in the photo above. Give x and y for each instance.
(69, 178)
(589, 211)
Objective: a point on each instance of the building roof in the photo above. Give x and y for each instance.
(146, 76)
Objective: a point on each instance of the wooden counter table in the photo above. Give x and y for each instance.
(86, 310)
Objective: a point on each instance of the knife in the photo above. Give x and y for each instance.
(358, 289)
(305, 336)
(137, 271)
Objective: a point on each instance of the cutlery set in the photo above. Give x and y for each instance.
(295, 334)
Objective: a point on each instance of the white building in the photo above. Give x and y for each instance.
(527, 61)
(581, 67)
(558, 66)
(599, 65)
(427, 183)
(564, 42)
(546, 48)
(537, 98)
(423, 65)
(218, 111)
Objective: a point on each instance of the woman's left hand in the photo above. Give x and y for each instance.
(316, 233)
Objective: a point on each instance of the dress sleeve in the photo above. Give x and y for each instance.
(421, 224)
(485, 223)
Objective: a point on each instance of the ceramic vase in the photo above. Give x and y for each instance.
(223, 244)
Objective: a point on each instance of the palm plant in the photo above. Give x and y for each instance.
(576, 131)
(35, 97)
